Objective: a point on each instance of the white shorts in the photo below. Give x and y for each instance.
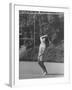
(40, 58)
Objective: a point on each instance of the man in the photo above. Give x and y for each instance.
(42, 48)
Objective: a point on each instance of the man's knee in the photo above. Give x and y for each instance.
(40, 62)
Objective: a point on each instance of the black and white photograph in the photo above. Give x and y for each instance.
(41, 44)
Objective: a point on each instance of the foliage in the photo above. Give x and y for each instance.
(32, 25)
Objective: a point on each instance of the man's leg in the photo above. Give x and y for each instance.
(41, 63)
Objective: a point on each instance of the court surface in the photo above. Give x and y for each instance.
(29, 70)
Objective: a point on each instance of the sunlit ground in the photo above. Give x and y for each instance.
(33, 70)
